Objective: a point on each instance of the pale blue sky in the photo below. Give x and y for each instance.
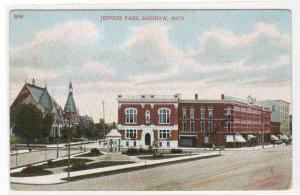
(236, 52)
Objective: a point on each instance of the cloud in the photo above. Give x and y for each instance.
(62, 45)
(229, 58)
(76, 32)
(149, 49)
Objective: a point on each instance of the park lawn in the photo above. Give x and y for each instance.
(90, 154)
(99, 165)
(162, 157)
(64, 162)
(40, 173)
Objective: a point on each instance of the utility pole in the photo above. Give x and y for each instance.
(103, 112)
(263, 131)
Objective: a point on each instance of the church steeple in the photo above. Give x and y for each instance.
(70, 106)
(70, 88)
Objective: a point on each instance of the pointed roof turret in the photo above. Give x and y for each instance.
(70, 88)
(45, 100)
(70, 104)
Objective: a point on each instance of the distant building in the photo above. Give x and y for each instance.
(86, 120)
(228, 121)
(70, 110)
(275, 128)
(40, 97)
(280, 113)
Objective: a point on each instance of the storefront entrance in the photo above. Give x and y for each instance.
(188, 141)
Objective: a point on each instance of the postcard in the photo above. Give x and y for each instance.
(150, 99)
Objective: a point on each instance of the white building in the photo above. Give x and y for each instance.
(280, 112)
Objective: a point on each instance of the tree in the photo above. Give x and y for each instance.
(26, 121)
(46, 126)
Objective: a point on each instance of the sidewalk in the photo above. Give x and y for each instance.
(61, 177)
(254, 147)
(21, 152)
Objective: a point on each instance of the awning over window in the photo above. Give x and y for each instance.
(283, 137)
(251, 137)
(229, 139)
(274, 138)
(286, 137)
(239, 139)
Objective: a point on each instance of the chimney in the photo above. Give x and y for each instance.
(222, 96)
(119, 96)
(196, 96)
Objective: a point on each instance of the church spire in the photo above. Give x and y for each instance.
(70, 88)
(70, 104)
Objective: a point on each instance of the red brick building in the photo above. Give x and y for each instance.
(169, 121)
(147, 120)
(275, 128)
(221, 122)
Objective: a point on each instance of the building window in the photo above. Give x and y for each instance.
(202, 113)
(273, 108)
(160, 144)
(127, 144)
(164, 115)
(202, 126)
(164, 134)
(210, 113)
(192, 113)
(183, 125)
(192, 125)
(168, 144)
(131, 115)
(229, 127)
(147, 116)
(228, 115)
(210, 126)
(184, 113)
(131, 133)
(134, 144)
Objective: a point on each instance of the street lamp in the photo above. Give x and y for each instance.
(57, 136)
(69, 137)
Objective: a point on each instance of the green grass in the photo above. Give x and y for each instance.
(161, 157)
(99, 165)
(64, 162)
(90, 154)
(41, 173)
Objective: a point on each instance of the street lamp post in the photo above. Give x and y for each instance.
(69, 137)
(57, 136)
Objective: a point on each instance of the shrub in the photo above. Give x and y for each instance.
(158, 155)
(94, 151)
(132, 151)
(32, 169)
(77, 165)
(49, 162)
(176, 151)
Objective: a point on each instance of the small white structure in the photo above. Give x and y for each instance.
(113, 139)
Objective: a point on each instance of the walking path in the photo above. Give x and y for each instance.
(255, 147)
(60, 178)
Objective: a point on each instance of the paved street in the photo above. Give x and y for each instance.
(268, 169)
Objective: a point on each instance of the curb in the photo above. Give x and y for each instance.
(112, 172)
